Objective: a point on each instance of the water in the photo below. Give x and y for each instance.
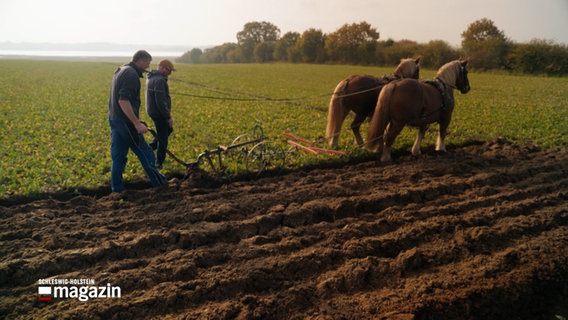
(7, 53)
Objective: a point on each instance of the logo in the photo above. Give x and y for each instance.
(44, 293)
(80, 289)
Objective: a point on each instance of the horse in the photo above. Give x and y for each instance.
(417, 104)
(359, 94)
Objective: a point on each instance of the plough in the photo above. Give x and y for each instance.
(258, 153)
(308, 146)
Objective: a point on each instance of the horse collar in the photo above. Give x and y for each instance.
(441, 87)
(387, 79)
(439, 84)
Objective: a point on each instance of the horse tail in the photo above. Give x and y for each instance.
(336, 113)
(380, 119)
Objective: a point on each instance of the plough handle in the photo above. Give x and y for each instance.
(296, 138)
(178, 160)
(307, 149)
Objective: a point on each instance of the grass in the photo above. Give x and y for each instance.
(55, 133)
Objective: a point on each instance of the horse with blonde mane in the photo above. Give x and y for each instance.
(359, 94)
(417, 104)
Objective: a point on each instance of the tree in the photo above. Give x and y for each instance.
(391, 54)
(193, 56)
(380, 49)
(285, 45)
(436, 53)
(264, 51)
(185, 57)
(254, 33)
(352, 43)
(310, 46)
(485, 44)
(539, 56)
(224, 53)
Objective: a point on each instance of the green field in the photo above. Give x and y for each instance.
(55, 133)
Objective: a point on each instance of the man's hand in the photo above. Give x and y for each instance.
(127, 109)
(171, 122)
(141, 128)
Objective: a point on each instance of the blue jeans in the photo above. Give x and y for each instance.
(123, 138)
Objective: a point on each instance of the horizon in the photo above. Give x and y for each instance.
(92, 50)
(90, 45)
(212, 23)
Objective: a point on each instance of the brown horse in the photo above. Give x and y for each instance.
(359, 94)
(417, 104)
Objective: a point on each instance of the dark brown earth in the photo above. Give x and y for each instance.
(478, 233)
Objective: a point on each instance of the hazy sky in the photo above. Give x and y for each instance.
(214, 22)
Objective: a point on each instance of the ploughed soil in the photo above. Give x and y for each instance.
(480, 232)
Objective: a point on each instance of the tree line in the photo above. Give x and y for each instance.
(358, 43)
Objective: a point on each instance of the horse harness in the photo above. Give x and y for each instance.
(380, 82)
(447, 100)
(387, 79)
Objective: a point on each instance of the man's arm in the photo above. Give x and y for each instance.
(127, 109)
(161, 99)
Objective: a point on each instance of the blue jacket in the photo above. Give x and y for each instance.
(158, 100)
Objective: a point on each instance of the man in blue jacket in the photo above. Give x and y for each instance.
(159, 107)
(125, 126)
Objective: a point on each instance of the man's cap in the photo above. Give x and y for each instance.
(167, 63)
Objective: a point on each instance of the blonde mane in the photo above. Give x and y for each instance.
(406, 68)
(449, 72)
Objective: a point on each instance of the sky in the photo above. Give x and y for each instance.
(200, 23)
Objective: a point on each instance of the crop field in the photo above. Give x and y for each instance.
(55, 134)
(480, 232)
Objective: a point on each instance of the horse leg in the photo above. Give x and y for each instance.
(356, 126)
(416, 147)
(440, 145)
(393, 131)
(334, 133)
(334, 141)
(335, 117)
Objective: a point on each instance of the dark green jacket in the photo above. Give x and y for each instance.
(158, 101)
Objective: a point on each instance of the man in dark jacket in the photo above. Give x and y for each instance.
(125, 126)
(159, 106)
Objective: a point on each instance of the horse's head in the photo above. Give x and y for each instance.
(462, 83)
(408, 68)
(454, 74)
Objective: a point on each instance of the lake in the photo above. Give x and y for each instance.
(43, 54)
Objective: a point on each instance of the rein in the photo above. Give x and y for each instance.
(337, 95)
(250, 97)
(387, 79)
(245, 96)
(441, 87)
